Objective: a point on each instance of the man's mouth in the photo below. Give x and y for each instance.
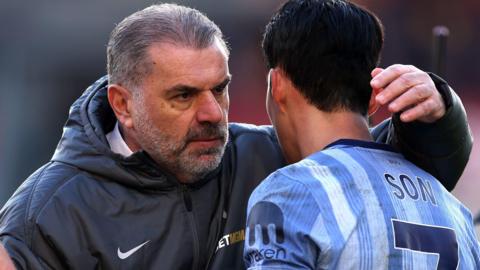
(207, 142)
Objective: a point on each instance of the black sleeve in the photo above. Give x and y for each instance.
(19, 235)
(441, 148)
(21, 254)
(20, 232)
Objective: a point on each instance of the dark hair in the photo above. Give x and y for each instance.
(328, 49)
(127, 61)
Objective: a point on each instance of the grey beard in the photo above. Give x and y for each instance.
(172, 154)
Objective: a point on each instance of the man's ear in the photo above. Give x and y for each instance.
(373, 105)
(120, 100)
(277, 87)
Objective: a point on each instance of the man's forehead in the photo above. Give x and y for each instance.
(180, 64)
(173, 48)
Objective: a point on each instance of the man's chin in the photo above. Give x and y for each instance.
(206, 161)
(201, 161)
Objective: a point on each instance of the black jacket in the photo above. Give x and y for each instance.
(91, 208)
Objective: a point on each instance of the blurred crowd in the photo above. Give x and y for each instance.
(50, 51)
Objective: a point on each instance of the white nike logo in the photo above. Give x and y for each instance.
(124, 255)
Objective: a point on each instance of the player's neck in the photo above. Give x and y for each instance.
(317, 129)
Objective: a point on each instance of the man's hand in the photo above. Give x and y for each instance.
(409, 90)
(5, 262)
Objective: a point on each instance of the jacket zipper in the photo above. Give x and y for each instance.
(225, 191)
(218, 235)
(187, 199)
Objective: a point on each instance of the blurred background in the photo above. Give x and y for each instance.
(50, 51)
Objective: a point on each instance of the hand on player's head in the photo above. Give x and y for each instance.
(410, 91)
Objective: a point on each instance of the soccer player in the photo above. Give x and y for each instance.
(345, 202)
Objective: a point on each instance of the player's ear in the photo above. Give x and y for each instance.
(277, 87)
(373, 105)
(120, 100)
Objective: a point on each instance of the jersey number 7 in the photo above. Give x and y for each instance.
(427, 239)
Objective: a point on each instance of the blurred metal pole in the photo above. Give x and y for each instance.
(439, 55)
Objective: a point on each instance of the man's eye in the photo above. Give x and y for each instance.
(220, 90)
(184, 96)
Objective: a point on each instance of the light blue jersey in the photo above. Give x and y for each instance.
(357, 205)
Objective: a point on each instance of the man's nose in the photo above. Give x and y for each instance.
(209, 109)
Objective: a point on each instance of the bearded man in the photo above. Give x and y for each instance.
(149, 175)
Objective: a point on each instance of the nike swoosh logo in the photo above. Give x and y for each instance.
(124, 255)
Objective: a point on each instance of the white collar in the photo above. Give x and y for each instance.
(116, 142)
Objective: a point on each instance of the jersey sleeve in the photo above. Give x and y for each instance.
(281, 215)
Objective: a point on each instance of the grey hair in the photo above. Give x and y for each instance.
(127, 61)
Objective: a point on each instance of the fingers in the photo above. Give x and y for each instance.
(376, 71)
(395, 80)
(389, 74)
(427, 111)
(408, 89)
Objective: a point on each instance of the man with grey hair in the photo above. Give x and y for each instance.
(169, 35)
(149, 174)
